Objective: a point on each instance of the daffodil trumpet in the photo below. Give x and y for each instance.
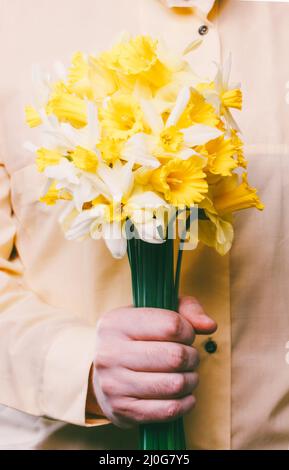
(141, 152)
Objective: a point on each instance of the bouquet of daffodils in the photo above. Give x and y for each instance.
(133, 140)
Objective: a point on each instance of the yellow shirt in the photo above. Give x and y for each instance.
(53, 291)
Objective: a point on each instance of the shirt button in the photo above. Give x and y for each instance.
(203, 29)
(211, 346)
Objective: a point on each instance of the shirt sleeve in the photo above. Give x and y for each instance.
(45, 353)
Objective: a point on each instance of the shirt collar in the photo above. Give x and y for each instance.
(204, 6)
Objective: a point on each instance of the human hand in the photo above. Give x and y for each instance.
(144, 369)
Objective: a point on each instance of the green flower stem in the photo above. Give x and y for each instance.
(153, 285)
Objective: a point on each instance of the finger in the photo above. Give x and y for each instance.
(154, 356)
(193, 312)
(144, 411)
(153, 324)
(146, 385)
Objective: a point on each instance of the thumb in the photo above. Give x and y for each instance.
(194, 313)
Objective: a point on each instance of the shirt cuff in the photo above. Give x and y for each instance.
(65, 378)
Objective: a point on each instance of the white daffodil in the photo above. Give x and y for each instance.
(83, 186)
(137, 149)
(115, 184)
(168, 139)
(43, 82)
(225, 95)
(118, 180)
(64, 172)
(82, 222)
(66, 137)
(147, 211)
(107, 220)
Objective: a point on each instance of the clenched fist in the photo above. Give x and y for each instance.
(144, 369)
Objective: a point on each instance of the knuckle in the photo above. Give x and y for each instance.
(178, 357)
(107, 386)
(119, 407)
(178, 384)
(110, 319)
(125, 409)
(174, 326)
(173, 409)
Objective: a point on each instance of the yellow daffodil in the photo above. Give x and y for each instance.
(131, 135)
(157, 77)
(222, 95)
(169, 139)
(67, 107)
(104, 82)
(198, 111)
(221, 156)
(226, 197)
(205, 86)
(121, 117)
(110, 149)
(181, 181)
(32, 117)
(78, 76)
(84, 159)
(137, 59)
(216, 233)
(143, 177)
(238, 144)
(132, 57)
(46, 157)
(214, 230)
(87, 78)
(230, 196)
(232, 98)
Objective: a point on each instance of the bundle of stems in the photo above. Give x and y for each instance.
(155, 284)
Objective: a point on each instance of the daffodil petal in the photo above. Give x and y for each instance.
(84, 192)
(149, 231)
(181, 103)
(81, 224)
(148, 199)
(151, 116)
(136, 150)
(119, 178)
(63, 171)
(186, 153)
(114, 239)
(200, 134)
